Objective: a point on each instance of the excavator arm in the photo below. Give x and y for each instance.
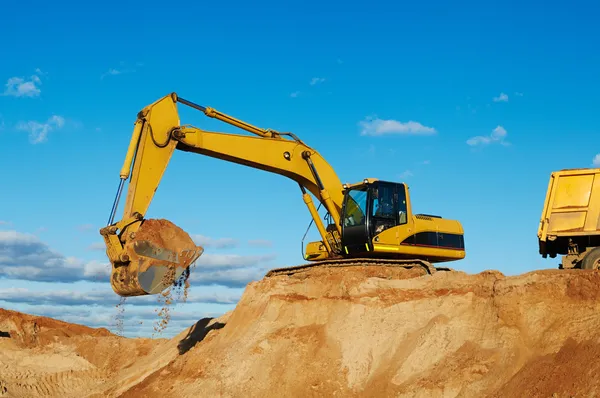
(149, 255)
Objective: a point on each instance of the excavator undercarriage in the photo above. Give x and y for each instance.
(357, 262)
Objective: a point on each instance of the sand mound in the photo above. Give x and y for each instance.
(350, 332)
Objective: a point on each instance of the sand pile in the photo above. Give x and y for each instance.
(40, 356)
(352, 332)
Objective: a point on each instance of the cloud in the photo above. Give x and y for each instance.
(501, 98)
(260, 243)
(103, 297)
(97, 246)
(426, 162)
(209, 261)
(596, 161)
(19, 87)
(232, 278)
(316, 80)
(112, 72)
(230, 270)
(295, 94)
(26, 257)
(38, 132)
(518, 94)
(84, 227)
(406, 174)
(379, 127)
(5, 223)
(137, 320)
(497, 135)
(123, 68)
(219, 243)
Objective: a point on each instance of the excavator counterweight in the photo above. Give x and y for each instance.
(370, 222)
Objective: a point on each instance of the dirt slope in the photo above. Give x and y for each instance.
(369, 332)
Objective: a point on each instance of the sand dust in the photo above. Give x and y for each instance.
(359, 332)
(165, 234)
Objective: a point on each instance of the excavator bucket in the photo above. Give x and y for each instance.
(159, 253)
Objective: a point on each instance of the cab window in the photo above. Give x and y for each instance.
(355, 208)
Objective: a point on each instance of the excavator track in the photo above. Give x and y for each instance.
(356, 262)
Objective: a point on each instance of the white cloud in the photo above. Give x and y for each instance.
(5, 223)
(596, 161)
(26, 257)
(316, 80)
(38, 132)
(227, 261)
(295, 94)
(84, 227)
(96, 269)
(497, 135)
(113, 71)
(103, 297)
(426, 162)
(38, 273)
(138, 318)
(260, 243)
(518, 94)
(100, 246)
(121, 70)
(406, 174)
(233, 278)
(20, 87)
(379, 127)
(219, 243)
(501, 98)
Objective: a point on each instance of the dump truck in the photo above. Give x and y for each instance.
(370, 221)
(570, 221)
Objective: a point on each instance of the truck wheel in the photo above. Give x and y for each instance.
(591, 260)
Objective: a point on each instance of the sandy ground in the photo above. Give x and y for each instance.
(354, 332)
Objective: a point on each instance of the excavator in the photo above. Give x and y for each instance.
(367, 222)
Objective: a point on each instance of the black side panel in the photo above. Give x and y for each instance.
(436, 239)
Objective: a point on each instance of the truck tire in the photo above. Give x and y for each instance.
(592, 259)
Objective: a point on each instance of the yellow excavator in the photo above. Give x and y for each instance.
(369, 222)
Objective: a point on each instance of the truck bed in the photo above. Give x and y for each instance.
(571, 208)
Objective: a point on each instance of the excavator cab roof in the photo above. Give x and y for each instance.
(366, 181)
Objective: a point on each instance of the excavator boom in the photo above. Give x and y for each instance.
(149, 255)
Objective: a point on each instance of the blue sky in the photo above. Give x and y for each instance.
(522, 76)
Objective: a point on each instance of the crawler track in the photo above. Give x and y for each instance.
(356, 262)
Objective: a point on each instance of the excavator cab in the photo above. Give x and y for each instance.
(369, 209)
(377, 222)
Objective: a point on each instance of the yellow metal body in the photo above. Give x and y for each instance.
(391, 240)
(570, 219)
(157, 134)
